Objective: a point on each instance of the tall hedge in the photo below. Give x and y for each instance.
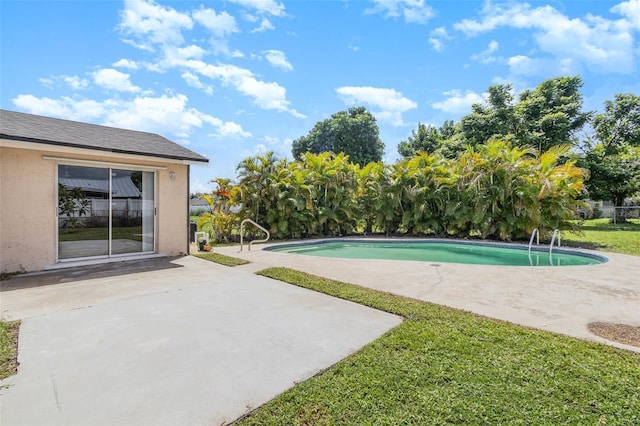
(492, 191)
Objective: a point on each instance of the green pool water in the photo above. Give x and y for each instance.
(438, 251)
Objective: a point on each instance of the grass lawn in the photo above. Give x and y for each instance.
(102, 233)
(222, 259)
(8, 348)
(599, 234)
(445, 366)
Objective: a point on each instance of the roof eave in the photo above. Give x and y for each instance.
(186, 160)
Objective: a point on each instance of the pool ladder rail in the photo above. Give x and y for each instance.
(264, 240)
(536, 234)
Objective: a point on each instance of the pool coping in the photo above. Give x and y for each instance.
(391, 240)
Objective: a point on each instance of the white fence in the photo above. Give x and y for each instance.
(127, 207)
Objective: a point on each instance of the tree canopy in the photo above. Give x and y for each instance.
(614, 158)
(428, 138)
(353, 132)
(547, 116)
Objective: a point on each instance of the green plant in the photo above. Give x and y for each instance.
(71, 202)
(8, 348)
(222, 259)
(220, 220)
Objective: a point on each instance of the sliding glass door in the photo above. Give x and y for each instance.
(104, 212)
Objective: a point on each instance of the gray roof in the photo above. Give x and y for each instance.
(54, 131)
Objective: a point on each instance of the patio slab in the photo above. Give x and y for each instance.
(194, 343)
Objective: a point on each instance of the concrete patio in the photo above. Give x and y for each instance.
(168, 341)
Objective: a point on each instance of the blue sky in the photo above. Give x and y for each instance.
(234, 78)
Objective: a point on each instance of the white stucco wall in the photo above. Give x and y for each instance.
(28, 203)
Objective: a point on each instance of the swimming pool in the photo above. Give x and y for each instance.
(466, 252)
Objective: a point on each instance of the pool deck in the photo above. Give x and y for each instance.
(557, 299)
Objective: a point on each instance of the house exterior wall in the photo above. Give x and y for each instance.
(28, 204)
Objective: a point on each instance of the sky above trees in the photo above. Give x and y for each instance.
(237, 78)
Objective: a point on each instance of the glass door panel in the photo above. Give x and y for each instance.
(132, 211)
(83, 211)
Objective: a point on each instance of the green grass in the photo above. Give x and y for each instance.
(101, 233)
(445, 366)
(8, 348)
(599, 234)
(222, 259)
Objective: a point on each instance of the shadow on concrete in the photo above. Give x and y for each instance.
(104, 270)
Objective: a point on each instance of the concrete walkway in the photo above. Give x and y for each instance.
(558, 299)
(183, 342)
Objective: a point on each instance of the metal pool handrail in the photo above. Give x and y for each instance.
(553, 238)
(256, 241)
(537, 234)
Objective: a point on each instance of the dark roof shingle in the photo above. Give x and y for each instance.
(54, 131)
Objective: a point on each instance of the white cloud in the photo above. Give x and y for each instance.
(524, 65)
(457, 102)
(260, 149)
(126, 63)
(436, 38)
(282, 147)
(112, 79)
(354, 44)
(630, 10)
(268, 7)
(440, 32)
(193, 81)
(278, 59)
(152, 23)
(166, 115)
(219, 24)
(221, 47)
(389, 103)
(65, 107)
(73, 81)
(176, 56)
(231, 130)
(413, 11)
(600, 44)
(271, 140)
(437, 44)
(486, 57)
(152, 26)
(265, 25)
(47, 82)
(265, 95)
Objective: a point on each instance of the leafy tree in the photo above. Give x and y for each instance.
(334, 180)
(221, 220)
(353, 132)
(614, 161)
(428, 139)
(619, 125)
(494, 119)
(549, 115)
(256, 176)
(72, 202)
(368, 193)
